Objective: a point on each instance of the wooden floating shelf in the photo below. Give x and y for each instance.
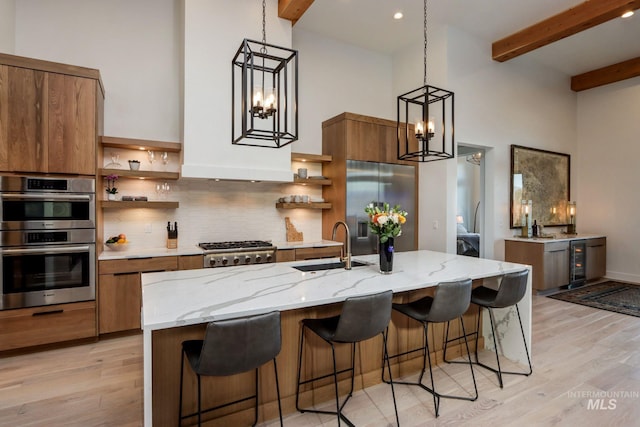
(303, 157)
(303, 205)
(127, 173)
(140, 144)
(148, 205)
(312, 181)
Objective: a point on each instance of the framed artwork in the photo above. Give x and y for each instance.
(542, 177)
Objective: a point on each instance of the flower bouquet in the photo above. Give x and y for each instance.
(386, 222)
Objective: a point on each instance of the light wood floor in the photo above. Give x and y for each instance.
(577, 351)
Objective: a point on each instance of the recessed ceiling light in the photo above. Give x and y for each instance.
(627, 14)
(398, 15)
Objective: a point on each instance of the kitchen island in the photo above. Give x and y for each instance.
(178, 304)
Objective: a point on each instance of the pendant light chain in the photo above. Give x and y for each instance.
(425, 43)
(264, 26)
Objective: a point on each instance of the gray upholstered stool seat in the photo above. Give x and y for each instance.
(512, 289)
(231, 347)
(450, 301)
(362, 318)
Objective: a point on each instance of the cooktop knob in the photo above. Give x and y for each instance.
(236, 260)
(258, 258)
(247, 259)
(212, 262)
(225, 261)
(269, 257)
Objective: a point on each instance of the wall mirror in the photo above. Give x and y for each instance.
(542, 177)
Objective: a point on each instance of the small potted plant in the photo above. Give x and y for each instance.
(111, 189)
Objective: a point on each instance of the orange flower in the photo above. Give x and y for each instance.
(402, 219)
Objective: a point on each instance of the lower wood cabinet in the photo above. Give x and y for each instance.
(301, 254)
(120, 288)
(28, 327)
(596, 258)
(551, 261)
(120, 298)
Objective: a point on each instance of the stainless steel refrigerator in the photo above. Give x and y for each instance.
(370, 182)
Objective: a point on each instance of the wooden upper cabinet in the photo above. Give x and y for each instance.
(23, 119)
(72, 124)
(50, 116)
(365, 138)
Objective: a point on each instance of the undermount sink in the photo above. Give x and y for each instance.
(329, 266)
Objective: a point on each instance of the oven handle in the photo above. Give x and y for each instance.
(47, 196)
(48, 250)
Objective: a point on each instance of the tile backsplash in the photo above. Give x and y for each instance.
(212, 211)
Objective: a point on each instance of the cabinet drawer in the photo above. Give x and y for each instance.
(321, 252)
(45, 325)
(190, 262)
(285, 255)
(142, 265)
(556, 246)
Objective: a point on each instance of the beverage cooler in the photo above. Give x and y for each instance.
(578, 263)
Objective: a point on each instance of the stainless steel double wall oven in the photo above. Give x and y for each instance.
(47, 240)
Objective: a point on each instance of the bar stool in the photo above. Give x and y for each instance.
(450, 301)
(231, 347)
(361, 318)
(513, 287)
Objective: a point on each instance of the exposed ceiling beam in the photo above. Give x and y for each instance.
(564, 24)
(293, 9)
(606, 75)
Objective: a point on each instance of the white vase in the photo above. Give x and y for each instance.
(111, 196)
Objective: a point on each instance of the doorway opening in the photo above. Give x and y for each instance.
(470, 200)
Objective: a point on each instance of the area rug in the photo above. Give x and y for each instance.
(612, 296)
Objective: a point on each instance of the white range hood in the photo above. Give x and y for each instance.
(213, 31)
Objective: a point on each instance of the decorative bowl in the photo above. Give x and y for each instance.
(117, 246)
(134, 165)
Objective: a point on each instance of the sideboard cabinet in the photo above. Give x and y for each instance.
(551, 259)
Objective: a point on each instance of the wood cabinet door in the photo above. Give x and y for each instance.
(364, 141)
(556, 265)
(72, 124)
(119, 302)
(23, 120)
(596, 258)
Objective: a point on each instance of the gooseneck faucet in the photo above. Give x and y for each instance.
(345, 251)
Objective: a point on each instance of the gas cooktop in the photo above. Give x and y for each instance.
(225, 254)
(236, 246)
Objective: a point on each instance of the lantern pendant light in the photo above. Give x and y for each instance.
(264, 93)
(425, 119)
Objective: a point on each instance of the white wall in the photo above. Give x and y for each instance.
(7, 26)
(497, 104)
(437, 186)
(211, 40)
(134, 44)
(608, 172)
(336, 77)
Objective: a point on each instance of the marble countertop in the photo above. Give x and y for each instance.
(134, 252)
(179, 298)
(148, 252)
(558, 238)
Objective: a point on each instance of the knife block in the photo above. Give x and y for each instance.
(172, 239)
